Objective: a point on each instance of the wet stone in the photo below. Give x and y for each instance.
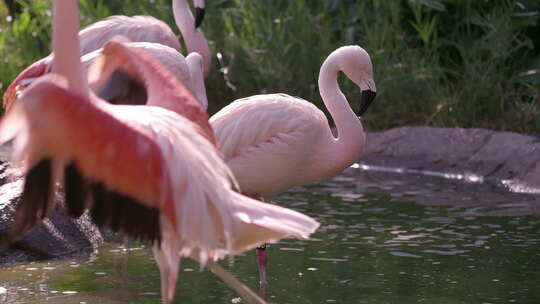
(58, 236)
(495, 156)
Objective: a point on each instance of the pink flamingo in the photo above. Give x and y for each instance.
(193, 36)
(199, 12)
(143, 170)
(273, 142)
(150, 29)
(120, 88)
(150, 32)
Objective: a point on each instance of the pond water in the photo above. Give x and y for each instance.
(383, 239)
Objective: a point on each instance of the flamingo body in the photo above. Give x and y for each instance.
(266, 137)
(135, 28)
(174, 61)
(275, 141)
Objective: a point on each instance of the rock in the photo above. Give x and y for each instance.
(505, 157)
(58, 236)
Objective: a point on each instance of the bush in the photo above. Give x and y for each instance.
(437, 62)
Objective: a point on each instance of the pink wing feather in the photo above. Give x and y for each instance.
(37, 69)
(158, 159)
(63, 125)
(164, 90)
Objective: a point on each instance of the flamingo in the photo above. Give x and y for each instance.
(152, 172)
(273, 142)
(150, 29)
(143, 29)
(193, 36)
(135, 28)
(199, 12)
(121, 89)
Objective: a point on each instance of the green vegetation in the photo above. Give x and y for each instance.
(450, 63)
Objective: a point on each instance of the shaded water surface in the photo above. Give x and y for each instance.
(382, 240)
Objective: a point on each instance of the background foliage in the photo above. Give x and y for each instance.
(466, 63)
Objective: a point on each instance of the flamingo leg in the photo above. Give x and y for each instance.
(124, 270)
(232, 282)
(262, 261)
(169, 264)
(262, 258)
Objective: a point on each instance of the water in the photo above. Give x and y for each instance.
(383, 239)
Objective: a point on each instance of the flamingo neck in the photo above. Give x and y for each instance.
(343, 150)
(194, 39)
(193, 61)
(66, 46)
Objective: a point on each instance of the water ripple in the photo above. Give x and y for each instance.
(404, 254)
(445, 252)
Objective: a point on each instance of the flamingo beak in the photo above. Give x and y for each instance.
(199, 16)
(367, 98)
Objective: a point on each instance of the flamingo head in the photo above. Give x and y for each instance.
(199, 12)
(359, 69)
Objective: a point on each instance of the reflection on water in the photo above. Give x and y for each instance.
(382, 240)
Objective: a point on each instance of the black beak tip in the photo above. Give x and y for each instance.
(199, 16)
(367, 98)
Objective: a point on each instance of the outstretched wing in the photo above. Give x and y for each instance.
(145, 171)
(103, 158)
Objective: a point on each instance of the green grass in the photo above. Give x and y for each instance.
(463, 63)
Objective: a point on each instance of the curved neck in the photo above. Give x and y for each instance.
(66, 46)
(194, 39)
(344, 149)
(193, 61)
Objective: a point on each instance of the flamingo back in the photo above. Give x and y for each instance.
(135, 28)
(269, 133)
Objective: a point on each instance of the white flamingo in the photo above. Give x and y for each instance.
(193, 36)
(273, 142)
